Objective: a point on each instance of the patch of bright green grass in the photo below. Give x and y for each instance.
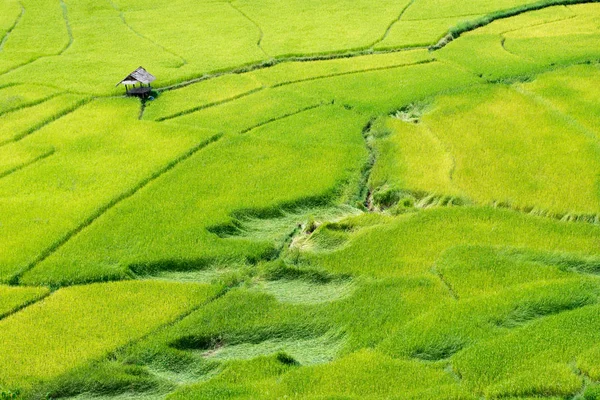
(78, 324)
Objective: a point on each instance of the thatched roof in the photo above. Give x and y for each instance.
(140, 75)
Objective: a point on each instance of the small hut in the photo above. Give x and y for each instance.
(139, 77)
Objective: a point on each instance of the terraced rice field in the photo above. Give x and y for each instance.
(322, 200)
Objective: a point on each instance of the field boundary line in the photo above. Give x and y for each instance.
(569, 120)
(168, 324)
(12, 27)
(144, 37)
(26, 304)
(209, 105)
(111, 204)
(29, 104)
(59, 53)
(253, 91)
(359, 71)
(27, 164)
(540, 24)
(468, 26)
(261, 34)
(503, 45)
(291, 114)
(65, 13)
(448, 151)
(392, 24)
(47, 121)
(446, 284)
(286, 59)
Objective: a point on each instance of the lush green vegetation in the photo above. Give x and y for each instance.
(323, 200)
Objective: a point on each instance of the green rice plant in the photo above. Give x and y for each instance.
(320, 23)
(199, 95)
(457, 326)
(422, 9)
(414, 159)
(79, 324)
(410, 244)
(252, 111)
(408, 84)
(15, 157)
(14, 298)
(529, 20)
(475, 271)
(376, 309)
(509, 13)
(10, 12)
(239, 320)
(569, 92)
(224, 39)
(486, 55)
(571, 38)
(501, 141)
(301, 161)
(90, 42)
(534, 360)
(289, 72)
(15, 97)
(43, 20)
(419, 32)
(20, 123)
(353, 377)
(96, 162)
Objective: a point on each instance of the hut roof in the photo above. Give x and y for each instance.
(140, 75)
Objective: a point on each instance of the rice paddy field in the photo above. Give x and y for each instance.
(325, 199)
